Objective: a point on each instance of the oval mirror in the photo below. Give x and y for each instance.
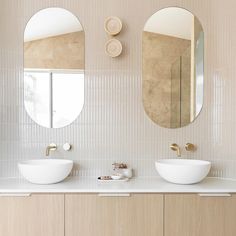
(54, 67)
(173, 61)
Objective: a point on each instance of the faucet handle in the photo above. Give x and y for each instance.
(190, 147)
(67, 146)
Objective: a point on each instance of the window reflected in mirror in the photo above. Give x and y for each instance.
(54, 67)
(173, 67)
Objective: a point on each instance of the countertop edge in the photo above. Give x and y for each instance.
(136, 185)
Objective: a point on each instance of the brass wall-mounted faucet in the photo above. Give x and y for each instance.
(51, 147)
(175, 147)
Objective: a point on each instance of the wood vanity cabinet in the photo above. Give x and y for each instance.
(91, 214)
(141, 214)
(194, 215)
(35, 215)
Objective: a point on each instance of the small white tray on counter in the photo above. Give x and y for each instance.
(112, 180)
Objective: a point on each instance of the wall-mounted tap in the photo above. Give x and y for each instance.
(51, 147)
(175, 147)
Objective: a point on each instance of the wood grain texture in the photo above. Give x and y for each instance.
(37, 215)
(89, 215)
(192, 215)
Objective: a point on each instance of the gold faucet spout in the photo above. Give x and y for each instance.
(51, 147)
(175, 147)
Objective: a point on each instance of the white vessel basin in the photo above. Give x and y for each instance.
(45, 171)
(182, 171)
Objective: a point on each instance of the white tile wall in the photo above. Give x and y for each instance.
(113, 125)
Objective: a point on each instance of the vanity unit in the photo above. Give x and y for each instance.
(139, 207)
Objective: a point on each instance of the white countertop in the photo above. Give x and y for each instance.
(135, 185)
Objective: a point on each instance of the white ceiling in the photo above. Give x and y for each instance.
(172, 21)
(50, 22)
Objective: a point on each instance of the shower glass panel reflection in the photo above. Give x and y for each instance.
(187, 86)
(180, 90)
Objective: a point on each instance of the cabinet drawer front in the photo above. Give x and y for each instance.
(32, 215)
(191, 214)
(137, 214)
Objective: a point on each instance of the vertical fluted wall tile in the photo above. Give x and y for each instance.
(113, 125)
